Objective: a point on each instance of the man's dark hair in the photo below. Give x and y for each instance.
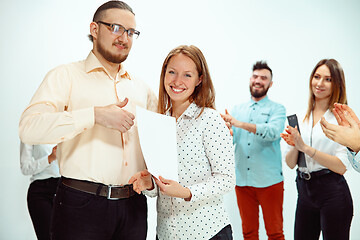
(262, 65)
(109, 5)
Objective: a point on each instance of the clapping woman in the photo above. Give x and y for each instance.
(324, 200)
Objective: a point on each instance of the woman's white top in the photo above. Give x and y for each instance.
(315, 137)
(34, 161)
(206, 167)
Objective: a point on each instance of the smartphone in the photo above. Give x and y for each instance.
(293, 122)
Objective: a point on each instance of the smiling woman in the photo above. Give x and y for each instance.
(324, 199)
(193, 208)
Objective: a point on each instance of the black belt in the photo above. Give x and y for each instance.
(109, 191)
(308, 176)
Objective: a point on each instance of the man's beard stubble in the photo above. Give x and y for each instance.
(109, 56)
(259, 94)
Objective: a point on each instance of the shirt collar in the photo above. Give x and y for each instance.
(192, 111)
(261, 102)
(92, 63)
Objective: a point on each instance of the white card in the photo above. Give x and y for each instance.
(157, 133)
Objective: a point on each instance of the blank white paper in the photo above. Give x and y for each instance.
(157, 133)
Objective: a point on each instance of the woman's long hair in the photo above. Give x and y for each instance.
(204, 93)
(338, 89)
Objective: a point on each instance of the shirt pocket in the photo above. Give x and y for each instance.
(263, 116)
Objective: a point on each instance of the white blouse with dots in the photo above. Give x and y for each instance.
(206, 167)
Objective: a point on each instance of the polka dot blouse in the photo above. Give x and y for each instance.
(206, 167)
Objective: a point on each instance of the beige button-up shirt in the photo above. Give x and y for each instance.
(62, 112)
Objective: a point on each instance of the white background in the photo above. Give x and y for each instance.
(291, 35)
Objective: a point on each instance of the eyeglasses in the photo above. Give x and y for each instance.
(119, 30)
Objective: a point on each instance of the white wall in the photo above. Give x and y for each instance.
(291, 35)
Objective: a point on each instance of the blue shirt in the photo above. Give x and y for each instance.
(354, 159)
(258, 156)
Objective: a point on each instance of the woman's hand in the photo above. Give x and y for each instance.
(348, 136)
(293, 138)
(142, 181)
(173, 189)
(52, 156)
(339, 112)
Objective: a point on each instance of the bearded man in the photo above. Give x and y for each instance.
(88, 109)
(256, 126)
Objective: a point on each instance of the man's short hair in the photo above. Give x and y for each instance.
(259, 65)
(109, 5)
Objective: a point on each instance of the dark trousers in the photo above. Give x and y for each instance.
(83, 216)
(224, 234)
(324, 204)
(40, 199)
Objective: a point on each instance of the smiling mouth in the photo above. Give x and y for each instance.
(120, 46)
(257, 86)
(177, 90)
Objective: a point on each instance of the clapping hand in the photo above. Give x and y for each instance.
(347, 133)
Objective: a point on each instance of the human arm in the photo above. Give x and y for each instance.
(114, 117)
(231, 121)
(219, 154)
(339, 113)
(271, 129)
(30, 165)
(50, 119)
(143, 181)
(292, 136)
(346, 134)
(52, 156)
(354, 159)
(173, 188)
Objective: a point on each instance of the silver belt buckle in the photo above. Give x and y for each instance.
(109, 192)
(305, 175)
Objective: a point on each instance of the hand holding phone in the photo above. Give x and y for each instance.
(293, 122)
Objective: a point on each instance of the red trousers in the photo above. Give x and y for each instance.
(271, 201)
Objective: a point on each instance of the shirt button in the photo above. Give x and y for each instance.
(248, 157)
(248, 169)
(249, 144)
(126, 163)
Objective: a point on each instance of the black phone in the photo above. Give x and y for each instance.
(293, 122)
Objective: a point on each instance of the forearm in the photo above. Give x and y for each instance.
(354, 142)
(291, 157)
(331, 162)
(154, 192)
(40, 124)
(250, 127)
(216, 185)
(32, 166)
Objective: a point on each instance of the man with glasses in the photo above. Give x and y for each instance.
(88, 109)
(256, 127)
